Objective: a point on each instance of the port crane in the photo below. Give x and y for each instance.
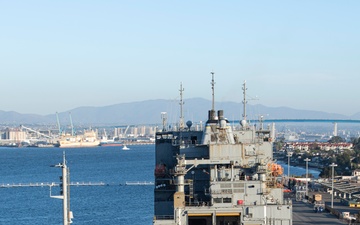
(58, 123)
(72, 126)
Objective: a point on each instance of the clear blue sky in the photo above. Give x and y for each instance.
(59, 55)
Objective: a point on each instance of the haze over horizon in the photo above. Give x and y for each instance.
(56, 56)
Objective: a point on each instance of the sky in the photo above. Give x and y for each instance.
(59, 55)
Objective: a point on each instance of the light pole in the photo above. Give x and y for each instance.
(332, 185)
(307, 160)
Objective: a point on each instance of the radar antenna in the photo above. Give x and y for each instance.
(181, 125)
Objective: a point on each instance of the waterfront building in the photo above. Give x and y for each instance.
(15, 134)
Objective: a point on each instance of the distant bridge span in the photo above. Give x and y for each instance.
(311, 121)
(272, 121)
(303, 121)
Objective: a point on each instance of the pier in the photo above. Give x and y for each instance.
(54, 184)
(139, 183)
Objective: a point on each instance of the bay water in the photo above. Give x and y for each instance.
(113, 203)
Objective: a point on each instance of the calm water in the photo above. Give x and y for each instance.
(112, 204)
(298, 171)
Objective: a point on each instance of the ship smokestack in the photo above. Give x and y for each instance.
(212, 115)
(221, 114)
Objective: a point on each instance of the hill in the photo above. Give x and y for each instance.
(149, 112)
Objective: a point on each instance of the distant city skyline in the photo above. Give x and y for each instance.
(56, 56)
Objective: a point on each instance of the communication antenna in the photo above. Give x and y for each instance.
(181, 125)
(213, 91)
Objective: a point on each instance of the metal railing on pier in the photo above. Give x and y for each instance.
(139, 183)
(54, 184)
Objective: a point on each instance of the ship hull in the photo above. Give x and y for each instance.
(78, 144)
(110, 144)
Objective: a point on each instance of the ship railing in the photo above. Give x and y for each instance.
(164, 217)
(138, 183)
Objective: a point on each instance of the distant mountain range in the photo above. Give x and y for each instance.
(149, 112)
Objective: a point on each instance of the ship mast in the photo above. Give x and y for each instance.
(64, 191)
(213, 91)
(212, 115)
(244, 101)
(181, 125)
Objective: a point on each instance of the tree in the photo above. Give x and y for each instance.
(356, 144)
(279, 145)
(326, 172)
(336, 139)
(344, 162)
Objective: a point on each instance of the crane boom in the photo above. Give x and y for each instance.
(37, 132)
(72, 126)
(126, 129)
(58, 123)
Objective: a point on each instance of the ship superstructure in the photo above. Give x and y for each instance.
(218, 176)
(88, 139)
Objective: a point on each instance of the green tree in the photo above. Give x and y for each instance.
(279, 145)
(356, 144)
(344, 162)
(326, 172)
(336, 139)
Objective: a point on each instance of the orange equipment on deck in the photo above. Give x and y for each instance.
(275, 169)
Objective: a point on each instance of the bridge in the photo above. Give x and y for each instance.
(303, 121)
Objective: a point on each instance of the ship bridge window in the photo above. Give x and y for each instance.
(222, 200)
(193, 140)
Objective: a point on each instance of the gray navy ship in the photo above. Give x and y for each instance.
(220, 175)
